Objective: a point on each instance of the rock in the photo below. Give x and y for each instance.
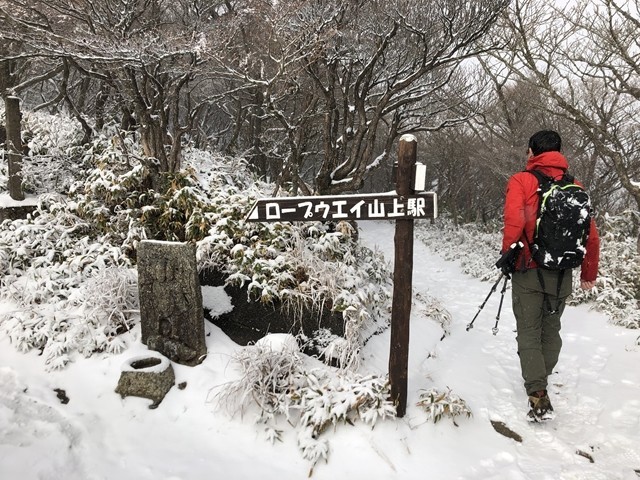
(150, 376)
(279, 342)
(249, 321)
(62, 395)
(502, 429)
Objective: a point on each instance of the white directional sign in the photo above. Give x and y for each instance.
(346, 207)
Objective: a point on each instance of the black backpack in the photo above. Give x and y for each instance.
(563, 222)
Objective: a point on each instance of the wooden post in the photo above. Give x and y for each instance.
(402, 273)
(14, 146)
(403, 206)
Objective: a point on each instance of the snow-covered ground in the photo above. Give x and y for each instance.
(98, 435)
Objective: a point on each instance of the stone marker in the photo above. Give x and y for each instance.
(171, 314)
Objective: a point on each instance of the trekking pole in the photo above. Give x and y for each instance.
(506, 265)
(502, 292)
(493, 289)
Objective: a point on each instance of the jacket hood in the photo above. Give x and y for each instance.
(548, 161)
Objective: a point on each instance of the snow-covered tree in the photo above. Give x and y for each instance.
(584, 56)
(329, 86)
(142, 57)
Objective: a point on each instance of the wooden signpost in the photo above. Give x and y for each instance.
(404, 206)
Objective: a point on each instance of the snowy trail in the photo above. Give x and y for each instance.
(483, 369)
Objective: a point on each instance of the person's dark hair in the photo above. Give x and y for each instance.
(545, 141)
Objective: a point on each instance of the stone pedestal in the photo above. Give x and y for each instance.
(148, 376)
(171, 314)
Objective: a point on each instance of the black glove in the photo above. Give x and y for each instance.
(507, 262)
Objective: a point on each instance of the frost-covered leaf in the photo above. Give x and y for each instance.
(438, 404)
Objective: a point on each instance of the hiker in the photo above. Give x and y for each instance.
(539, 293)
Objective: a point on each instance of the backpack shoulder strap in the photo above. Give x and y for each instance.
(542, 178)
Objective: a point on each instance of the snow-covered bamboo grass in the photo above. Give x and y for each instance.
(89, 237)
(277, 383)
(617, 291)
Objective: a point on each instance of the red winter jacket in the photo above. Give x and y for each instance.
(521, 208)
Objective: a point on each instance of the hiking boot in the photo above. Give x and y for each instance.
(540, 408)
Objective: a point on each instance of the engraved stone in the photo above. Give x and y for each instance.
(171, 314)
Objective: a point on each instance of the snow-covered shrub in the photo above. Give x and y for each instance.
(305, 266)
(617, 290)
(277, 382)
(112, 206)
(109, 298)
(327, 401)
(267, 376)
(475, 246)
(54, 156)
(73, 288)
(68, 266)
(439, 404)
(312, 266)
(47, 262)
(436, 311)
(83, 323)
(117, 197)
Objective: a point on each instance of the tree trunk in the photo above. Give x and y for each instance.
(258, 158)
(14, 146)
(153, 139)
(637, 223)
(101, 102)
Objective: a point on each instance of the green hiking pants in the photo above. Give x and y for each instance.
(538, 329)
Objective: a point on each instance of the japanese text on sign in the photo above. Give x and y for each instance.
(350, 207)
